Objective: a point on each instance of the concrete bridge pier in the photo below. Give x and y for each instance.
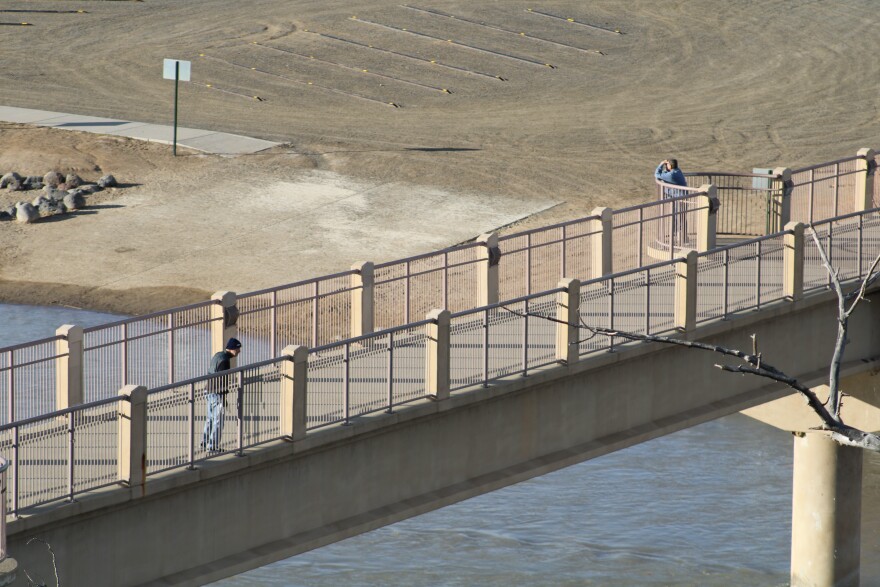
(826, 506)
(826, 513)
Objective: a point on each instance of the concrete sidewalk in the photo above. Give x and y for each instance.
(200, 140)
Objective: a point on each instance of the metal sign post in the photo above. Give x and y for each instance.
(178, 71)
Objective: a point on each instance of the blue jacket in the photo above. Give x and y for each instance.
(673, 176)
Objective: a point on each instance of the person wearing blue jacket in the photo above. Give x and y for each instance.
(669, 172)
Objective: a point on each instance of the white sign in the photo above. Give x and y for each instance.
(183, 69)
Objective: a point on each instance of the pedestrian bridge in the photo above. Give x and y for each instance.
(349, 412)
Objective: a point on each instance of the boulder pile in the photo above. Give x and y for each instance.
(59, 194)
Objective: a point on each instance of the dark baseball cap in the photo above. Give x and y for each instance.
(233, 344)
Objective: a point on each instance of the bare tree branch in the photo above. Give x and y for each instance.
(755, 365)
(842, 324)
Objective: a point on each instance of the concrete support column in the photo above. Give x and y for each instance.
(132, 436)
(294, 374)
(780, 204)
(69, 367)
(362, 299)
(437, 355)
(224, 319)
(864, 189)
(686, 291)
(793, 261)
(490, 255)
(707, 220)
(601, 242)
(568, 313)
(826, 513)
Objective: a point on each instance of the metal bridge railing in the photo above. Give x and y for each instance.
(750, 203)
(66, 452)
(27, 378)
(824, 190)
(164, 347)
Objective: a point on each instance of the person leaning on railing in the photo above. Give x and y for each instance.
(669, 172)
(218, 389)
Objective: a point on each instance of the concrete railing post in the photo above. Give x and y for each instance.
(69, 367)
(437, 355)
(489, 255)
(793, 261)
(686, 291)
(707, 221)
(224, 321)
(780, 204)
(294, 375)
(362, 299)
(864, 189)
(568, 315)
(601, 242)
(132, 436)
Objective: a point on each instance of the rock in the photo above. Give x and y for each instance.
(53, 194)
(38, 201)
(14, 185)
(25, 213)
(32, 182)
(9, 178)
(53, 178)
(74, 200)
(10, 210)
(108, 181)
(5, 215)
(73, 181)
(89, 188)
(51, 208)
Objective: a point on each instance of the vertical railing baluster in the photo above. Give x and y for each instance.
(239, 408)
(445, 280)
(70, 455)
(525, 349)
(10, 386)
(406, 294)
(861, 236)
(191, 417)
(641, 234)
(758, 276)
(725, 307)
(124, 354)
(16, 470)
(812, 191)
(315, 292)
(273, 332)
(829, 249)
(346, 390)
(486, 348)
(647, 301)
(564, 249)
(390, 373)
(171, 325)
(529, 264)
(836, 188)
(611, 313)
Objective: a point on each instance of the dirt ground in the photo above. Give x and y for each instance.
(723, 85)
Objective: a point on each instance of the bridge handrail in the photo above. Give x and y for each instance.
(171, 412)
(827, 163)
(315, 311)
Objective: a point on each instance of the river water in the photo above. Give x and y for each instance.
(707, 506)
